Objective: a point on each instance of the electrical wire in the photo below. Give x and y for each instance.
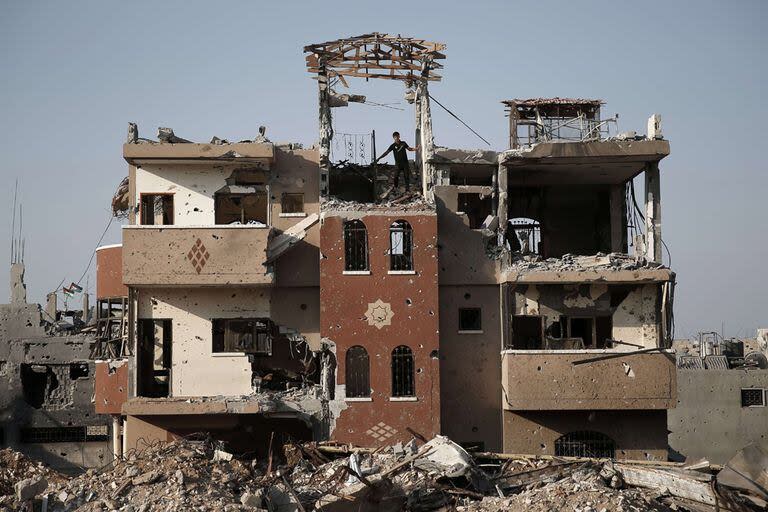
(458, 119)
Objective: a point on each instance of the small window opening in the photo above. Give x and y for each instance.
(357, 373)
(249, 335)
(156, 209)
(476, 207)
(402, 372)
(753, 397)
(585, 444)
(470, 320)
(400, 246)
(292, 203)
(78, 371)
(583, 328)
(241, 208)
(526, 332)
(355, 246)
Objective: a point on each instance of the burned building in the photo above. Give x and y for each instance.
(516, 300)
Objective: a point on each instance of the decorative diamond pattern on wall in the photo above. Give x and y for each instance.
(381, 431)
(198, 255)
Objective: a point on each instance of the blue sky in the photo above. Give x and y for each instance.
(73, 74)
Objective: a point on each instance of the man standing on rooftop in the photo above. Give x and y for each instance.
(399, 148)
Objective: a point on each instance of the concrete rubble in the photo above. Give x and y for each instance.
(570, 262)
(197, 473)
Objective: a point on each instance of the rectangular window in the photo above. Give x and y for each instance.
(241, 208)
(753, 397)
(248, 335)
(470, 320)
(526, 332)
(476, 207)
(292, 203)
(583, 328)
(156, 210)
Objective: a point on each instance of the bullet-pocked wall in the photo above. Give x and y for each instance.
(195, 369)
(383, 311)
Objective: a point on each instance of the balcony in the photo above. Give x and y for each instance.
(540, 380)
(196, 256)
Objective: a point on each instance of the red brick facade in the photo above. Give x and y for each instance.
(411, 300)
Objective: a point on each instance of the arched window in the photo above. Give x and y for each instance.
(585, 443)
(402, 372)
(355, 246)
(357, 373)
(400, 246)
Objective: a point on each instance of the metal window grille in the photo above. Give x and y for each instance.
(400, 246)
(355, 246)
(357, 373)
(402, 372)
(585, 444)
(527, 233)
(753, 397)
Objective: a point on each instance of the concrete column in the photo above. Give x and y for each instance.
(618, 219)
(51, 307)
(18, 288)
(652, 212)
(502, 210)
(326, 132)
(86, 308)
(426, 140)
(117, 438)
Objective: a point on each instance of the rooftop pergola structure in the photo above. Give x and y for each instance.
(379, 56)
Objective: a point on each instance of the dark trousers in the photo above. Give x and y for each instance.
(406, 176)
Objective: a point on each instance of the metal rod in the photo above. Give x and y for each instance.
(459, 120)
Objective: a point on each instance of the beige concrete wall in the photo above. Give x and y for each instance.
(636, 318)
(587, 379)
(639, 435)
(195, 370)
(470, 367)
(709, 421)
(170, 256)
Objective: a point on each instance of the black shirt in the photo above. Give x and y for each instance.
(399, 149)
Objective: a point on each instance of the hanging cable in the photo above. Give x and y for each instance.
(111, 218)
(457, 118)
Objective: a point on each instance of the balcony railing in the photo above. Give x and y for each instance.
(195, 256)
(588, 379)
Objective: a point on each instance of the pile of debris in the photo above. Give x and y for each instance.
(438, 475)
(570, 262)
(18, 472)
(398, 201)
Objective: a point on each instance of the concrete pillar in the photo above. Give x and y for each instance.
(618, 218)
(426, 140)
(86, 308)
(18, 288)
(326, 132)
(117, 437)
(502, 210)
(51, 307)
(652, 212)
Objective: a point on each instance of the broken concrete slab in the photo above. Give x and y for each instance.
(30, 487)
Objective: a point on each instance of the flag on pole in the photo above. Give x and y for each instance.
(67, 291)
(76, 288)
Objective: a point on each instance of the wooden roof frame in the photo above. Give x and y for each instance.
(376, 55)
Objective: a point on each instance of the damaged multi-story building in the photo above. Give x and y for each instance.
(46, 381)
(515, 301)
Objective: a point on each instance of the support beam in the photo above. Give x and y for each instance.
(618, 219)
(652, 212)
(503, 207)
(426, 139)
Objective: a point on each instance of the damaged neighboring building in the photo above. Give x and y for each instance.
(722, 395)
(46, 383)
(517, 301)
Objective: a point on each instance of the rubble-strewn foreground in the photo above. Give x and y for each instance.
(200, 475)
